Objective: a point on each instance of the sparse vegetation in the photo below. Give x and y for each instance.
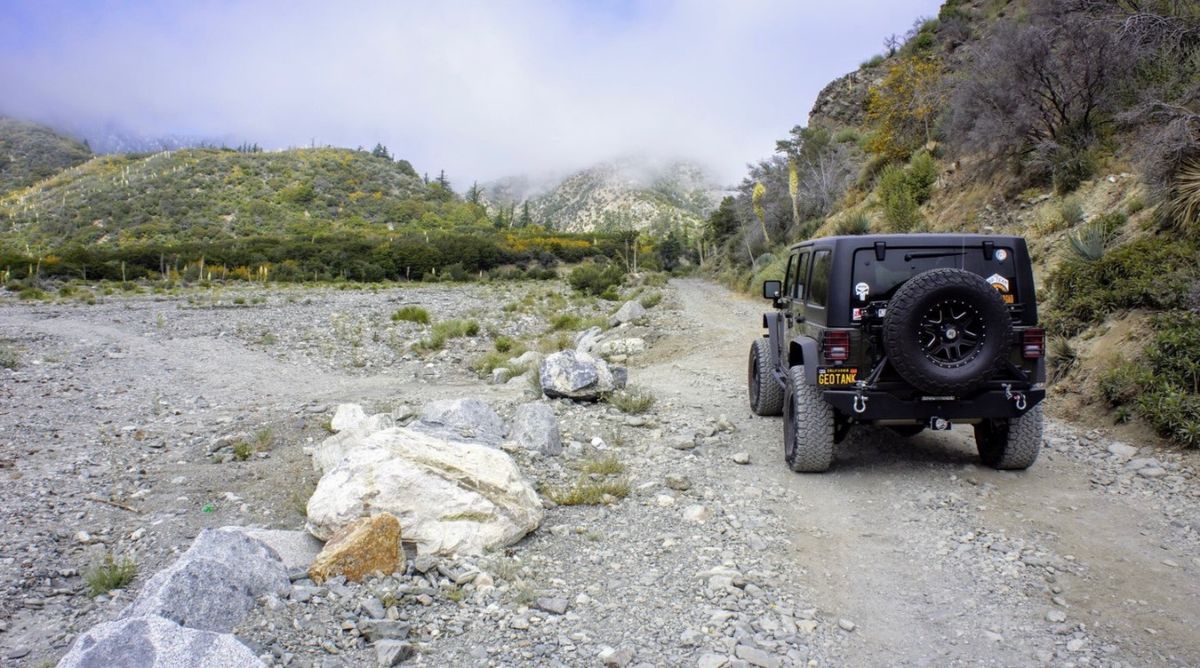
(9, 359)
(589, 492)
(110, 574)
(632, 400)
(596, 279)
(651, 299)
(608, 465)
(446, 330)
(1062, 359)
(411, 314)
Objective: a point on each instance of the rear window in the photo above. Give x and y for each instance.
(879, 279)
(818, 284)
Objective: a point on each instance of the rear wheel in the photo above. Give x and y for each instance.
(808, 426)
(1010, 444)
(766, 396)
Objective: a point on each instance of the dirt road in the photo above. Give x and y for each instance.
(938, 561)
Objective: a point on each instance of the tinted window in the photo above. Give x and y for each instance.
(818, 282)
(801, 275)
(901, 264)
(789, 277)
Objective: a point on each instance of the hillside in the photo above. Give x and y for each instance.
(211, 194)
(613, 196)
(1074, 124)
(31, 152)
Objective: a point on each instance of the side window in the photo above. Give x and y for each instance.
(818, 282)
(790, 277)
(801, 276)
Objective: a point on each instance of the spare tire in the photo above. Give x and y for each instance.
(947, 331)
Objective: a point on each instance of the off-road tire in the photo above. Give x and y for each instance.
(766, 396)
(922, 304)
(1010, 444)
(807, 426)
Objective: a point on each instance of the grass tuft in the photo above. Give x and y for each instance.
(411, 314)
(110, 574)
(632, 400)
(587, 492)
(609, 465)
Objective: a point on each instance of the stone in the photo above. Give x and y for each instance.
(697, 513)
(296, 549)
(741, 457)
(756, 657)
(678, 482)
(1076, 644)
(846, 625)
(461, 419)
(390, 653)
(554, 605)
(373, 607)
(630, 311)
(360, 548)
(214, 583)
(535, 427)
(616, 658)
(1124, 451)
(347, 416)
(1141, 463)
(588, 340)
(569, 374)
(682, 442)
(630, 346)
(450, 496)
(526, 359)
(1152, 472)
(155, 642)
(711, 660)
(620, 375)
(501, 376)
(1056, 616)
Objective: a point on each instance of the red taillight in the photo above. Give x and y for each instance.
(1033, 344)
(836, 346)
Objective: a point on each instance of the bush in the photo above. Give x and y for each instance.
(504, 343)
(448, 329)
(1062, 359)
(651, 300)
(596, 279)
(1154, 273)
(1070, 212)
(565, 321)
(632, 400)
(899, 202)
(9, 359)
(411, 314)
(856, 224)
(110, 574)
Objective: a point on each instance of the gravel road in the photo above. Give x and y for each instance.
(906, 553)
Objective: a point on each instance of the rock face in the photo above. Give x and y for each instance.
(588, 340)
(574, 375)
(296, 549)
(347, 416)
(450, 496)
(630, 346)
(462, 420)
(155, 642)
(535, 427)
(214, 584)
(629, 312)
(359, 549)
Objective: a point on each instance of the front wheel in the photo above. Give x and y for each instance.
(766, 397)
(1010, 444)
(808, 426)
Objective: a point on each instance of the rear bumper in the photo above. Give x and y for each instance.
(886, 406)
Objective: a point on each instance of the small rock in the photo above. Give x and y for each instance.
(697, 513)
(678, 482)
(616, 658)
(553, 605)
(390, 653)
(847, 625)
(741, 457)
(1122, 450)
(357, 550)
(1056, 616)
(756, 657)
(711, 660)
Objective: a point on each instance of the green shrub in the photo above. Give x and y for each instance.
(922, 173)
(110, 574)
(504, 344)
(632, 400)
(1154, 273)
(1070, 167)
(1062, 359)
(874, 61)
(411, 314)
(448, 329)
(9, 359)
(1070, 212)
(856, 224)
(651, 300)
(32, 293)
(608, 465)
(899, 202)
(847, 136)
(1089, 242)
(565, 321)
(596, 279)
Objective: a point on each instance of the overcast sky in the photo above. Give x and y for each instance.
(482, 88)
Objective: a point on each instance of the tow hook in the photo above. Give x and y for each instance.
(1017, 397)
(860, 401)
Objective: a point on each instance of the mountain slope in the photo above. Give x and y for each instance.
(621, 195)
(209, 194)
(31, 152)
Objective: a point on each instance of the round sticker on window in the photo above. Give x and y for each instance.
(1001, 255)
(862, 290)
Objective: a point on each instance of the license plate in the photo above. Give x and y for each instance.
(836, 375)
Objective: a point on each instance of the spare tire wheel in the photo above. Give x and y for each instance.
(947, 331)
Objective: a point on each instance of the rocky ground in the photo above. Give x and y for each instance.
(117, 434)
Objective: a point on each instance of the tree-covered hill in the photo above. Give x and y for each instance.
(31, 152)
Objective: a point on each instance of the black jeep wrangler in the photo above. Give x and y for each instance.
(910, 332)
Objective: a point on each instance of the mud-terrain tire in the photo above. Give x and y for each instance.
(1010, 444)
(807, 426)
(947, 331)
(766, 396)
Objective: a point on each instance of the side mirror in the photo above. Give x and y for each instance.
(772, 289)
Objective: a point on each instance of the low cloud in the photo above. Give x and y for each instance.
(480, 89)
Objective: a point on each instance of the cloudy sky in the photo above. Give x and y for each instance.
(482, 89)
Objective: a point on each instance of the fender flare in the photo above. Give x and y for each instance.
(803, 350)
(773, 322)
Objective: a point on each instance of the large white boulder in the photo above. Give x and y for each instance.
(570, 374)
(630, 311)
(450, 496)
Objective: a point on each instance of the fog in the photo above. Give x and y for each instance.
(480, 89)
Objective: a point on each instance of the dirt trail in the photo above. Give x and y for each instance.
(938, 561)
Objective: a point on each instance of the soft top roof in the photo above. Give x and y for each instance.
(919, 239)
